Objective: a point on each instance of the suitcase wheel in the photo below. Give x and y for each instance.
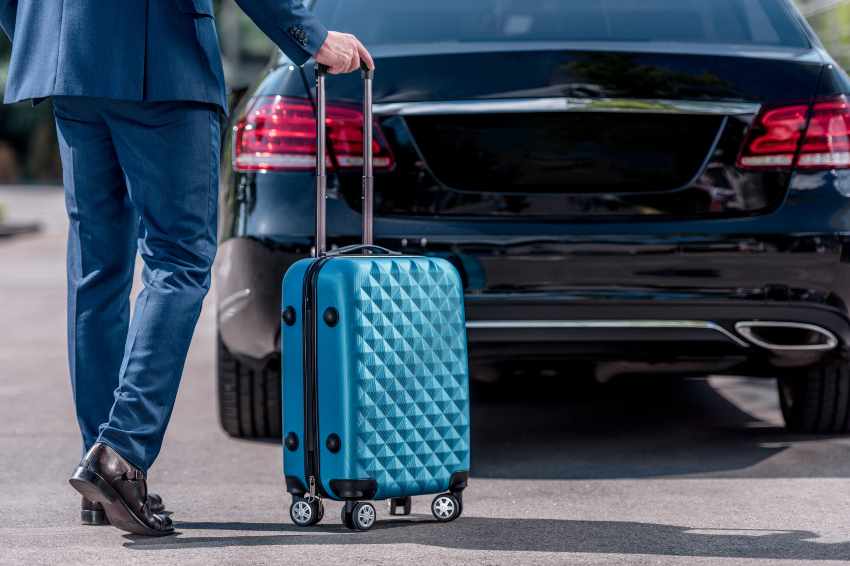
(306, 513)
(446, 507)
(401, 506)
(359, 516)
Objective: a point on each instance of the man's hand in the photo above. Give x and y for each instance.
(342, 53)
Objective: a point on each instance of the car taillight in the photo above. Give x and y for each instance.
(827, 141)
(815, 137)
(278, 133)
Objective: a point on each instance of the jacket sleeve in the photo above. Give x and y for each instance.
(289, 24)
(8, 9)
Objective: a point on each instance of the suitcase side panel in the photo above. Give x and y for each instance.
(402, 375)
(337, 410)
(292, 344)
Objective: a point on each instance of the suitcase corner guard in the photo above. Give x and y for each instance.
(458, 481)
(354, 489)
(295, 485)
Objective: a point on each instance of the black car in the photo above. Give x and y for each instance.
(636, 187)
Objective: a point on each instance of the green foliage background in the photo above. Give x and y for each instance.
(833, 26)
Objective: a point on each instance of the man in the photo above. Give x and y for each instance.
(138, 89)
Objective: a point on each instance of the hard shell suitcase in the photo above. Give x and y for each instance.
(375, 371)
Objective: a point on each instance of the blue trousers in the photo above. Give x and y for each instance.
(140, 177)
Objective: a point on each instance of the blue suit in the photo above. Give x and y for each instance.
(138, 91)
(140, 50)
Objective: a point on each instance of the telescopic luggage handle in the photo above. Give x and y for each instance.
(321, 161)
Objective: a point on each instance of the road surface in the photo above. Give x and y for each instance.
(564, 472)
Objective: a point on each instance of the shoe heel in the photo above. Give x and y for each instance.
(92, 486)
(93, 518)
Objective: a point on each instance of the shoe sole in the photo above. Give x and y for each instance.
(97, 517)
(94, 488)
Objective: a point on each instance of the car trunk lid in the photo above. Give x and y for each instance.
(562, 131)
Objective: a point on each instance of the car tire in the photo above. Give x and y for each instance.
(248, 397)
(817, 401)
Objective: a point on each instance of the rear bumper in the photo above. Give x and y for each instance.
(688, 336)
(678, 302)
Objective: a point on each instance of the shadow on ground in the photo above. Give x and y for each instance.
(556, 429)
(524, 535)
(576, 429)
(571, 428)
(540, 428)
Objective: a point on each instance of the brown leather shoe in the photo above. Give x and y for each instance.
(92, 514)
(105, 477)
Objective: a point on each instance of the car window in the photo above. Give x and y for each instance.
(747, 22)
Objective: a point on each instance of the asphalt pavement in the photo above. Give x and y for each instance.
(641, 471)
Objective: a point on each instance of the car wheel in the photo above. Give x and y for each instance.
(248, 397)
(817, 401)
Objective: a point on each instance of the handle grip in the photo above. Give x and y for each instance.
(368, 73)
(358, 247)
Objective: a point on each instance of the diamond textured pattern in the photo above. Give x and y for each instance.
(412, 376)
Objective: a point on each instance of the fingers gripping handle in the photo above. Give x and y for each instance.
(321, 160)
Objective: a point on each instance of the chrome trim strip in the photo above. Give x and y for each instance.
(578, 324)
(567, 104)
(745, 329)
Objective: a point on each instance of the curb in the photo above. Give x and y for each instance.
(9, 230)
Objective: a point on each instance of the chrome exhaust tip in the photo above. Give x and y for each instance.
(787, 336)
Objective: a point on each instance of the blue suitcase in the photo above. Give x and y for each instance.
(375, 371)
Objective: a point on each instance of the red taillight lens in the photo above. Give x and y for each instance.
(278, 133)
(774, 139)
(827, 141)
(808, 137)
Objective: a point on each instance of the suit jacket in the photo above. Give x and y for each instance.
(139, 50)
